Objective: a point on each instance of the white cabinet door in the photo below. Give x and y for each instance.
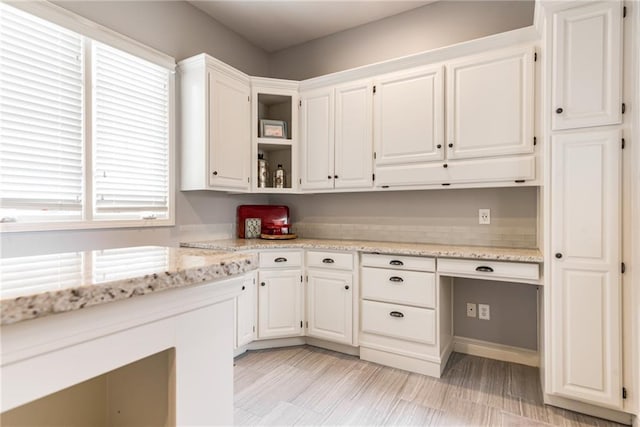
(587, 66)
(246, 312)
(409, 116)
(280, 304)
(330, 302)
(585, 273)
(228, 130)
(354, 135)
(316, 131)
(490, 102)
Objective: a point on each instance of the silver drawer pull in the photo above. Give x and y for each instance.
(485, 269)
(396, 262)
(396, 314)
(280, 259)
(328, 261)
(396, 279)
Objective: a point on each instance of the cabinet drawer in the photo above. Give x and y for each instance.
(399, 321)
(403, 287)
(400, 262)
(488, 269)
(334, 260)
(280, 259)
(513, 168)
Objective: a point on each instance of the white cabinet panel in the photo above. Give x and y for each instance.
(330, 302)
(354, 135)
(585, 271)
(246, 312)
(409, 116)
(228, 130)
(490, 103)
(399, 321)
(499, 169)
(587, 66)
(280, 304)
(415, 288)
(317, 134)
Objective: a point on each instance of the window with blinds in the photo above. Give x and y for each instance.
(84, 128)
(41, 118)
(131, 126)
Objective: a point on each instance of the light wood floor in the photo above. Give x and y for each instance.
(310, 386)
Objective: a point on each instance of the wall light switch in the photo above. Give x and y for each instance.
(484, 216)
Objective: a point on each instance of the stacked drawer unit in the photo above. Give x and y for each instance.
(405, 313)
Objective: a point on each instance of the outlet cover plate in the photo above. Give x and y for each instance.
(484, 216)
(471, 309)
(484, 312)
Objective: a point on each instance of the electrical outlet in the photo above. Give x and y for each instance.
(484, 216)
(471, 309)
(484, 311)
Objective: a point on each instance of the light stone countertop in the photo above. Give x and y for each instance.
(417, 249)
(40, 285)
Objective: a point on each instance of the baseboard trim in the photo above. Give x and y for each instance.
(595, 411)
(495, 351)
(333, 346)
(276, 342)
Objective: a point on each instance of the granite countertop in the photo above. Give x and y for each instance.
(418, 249)
(37, 286)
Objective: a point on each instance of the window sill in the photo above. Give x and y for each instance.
(14, 227)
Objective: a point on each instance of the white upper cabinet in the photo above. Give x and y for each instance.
(490, 103)
(215, 139)
(317, 135)
(229, 136)
(336, 137)
(354, 135)
(586, 336)
(587, 66)
(409, 116)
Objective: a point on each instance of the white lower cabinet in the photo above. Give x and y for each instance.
(406, 318)
(330, 296)
(280, 295)
(586, 295)
(329, 302)
(246, 312)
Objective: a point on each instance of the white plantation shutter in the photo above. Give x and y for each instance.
(41, 117)
(131, 135)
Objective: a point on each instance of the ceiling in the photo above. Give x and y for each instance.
(275, 25)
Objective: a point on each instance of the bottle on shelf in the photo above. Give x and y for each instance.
(279, 177)
(263, 171)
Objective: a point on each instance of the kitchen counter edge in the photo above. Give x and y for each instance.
(395, 248)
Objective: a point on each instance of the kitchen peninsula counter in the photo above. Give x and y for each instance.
(37, 286)
(396, 248)
(186, 316)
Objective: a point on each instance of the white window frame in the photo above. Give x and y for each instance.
(93, 31)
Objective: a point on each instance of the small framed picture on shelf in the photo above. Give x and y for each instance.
(273, 129)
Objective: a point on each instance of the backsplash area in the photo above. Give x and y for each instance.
(437, 216)
(515, 233)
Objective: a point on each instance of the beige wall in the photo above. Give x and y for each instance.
(175, 28)
(434, 25)
(513, 307)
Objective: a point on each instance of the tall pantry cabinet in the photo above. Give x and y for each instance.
(583, 110)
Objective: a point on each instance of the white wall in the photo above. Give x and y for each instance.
(435, 25)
